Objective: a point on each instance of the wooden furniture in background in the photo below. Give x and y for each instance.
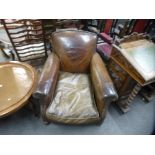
(135, 25)
(5, 44)
(132, 65)
(17, 83)
(141, 25)
(105, 31)
(27, 38)
(52, 25)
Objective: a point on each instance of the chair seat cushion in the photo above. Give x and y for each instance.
(73, 101)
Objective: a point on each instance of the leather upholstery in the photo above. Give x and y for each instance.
(73, 100)
(47, 83)
(48, 76)
(72, 97)
(75, 49)
(103, 86)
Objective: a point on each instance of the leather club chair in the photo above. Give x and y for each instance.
(74, 87)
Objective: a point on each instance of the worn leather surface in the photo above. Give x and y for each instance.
(73, 101)
(102, 83)
(70, 99)
(47, 84)
(48, 76)
(75, 49)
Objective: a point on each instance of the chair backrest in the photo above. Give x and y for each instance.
(74, 49)
(27, 38)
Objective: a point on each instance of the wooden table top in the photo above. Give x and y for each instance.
(17, 82)
(141, 55)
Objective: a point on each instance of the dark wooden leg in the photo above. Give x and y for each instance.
(147, 93)
(126, 83)
(133, 94)
(122, 93)
(126, 86)
(34, 108)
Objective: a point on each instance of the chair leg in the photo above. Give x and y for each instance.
(45, 122)
(43, 115)
(34, 108)
(102, 118)
(99, 123)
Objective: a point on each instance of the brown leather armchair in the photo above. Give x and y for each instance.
(74, 87)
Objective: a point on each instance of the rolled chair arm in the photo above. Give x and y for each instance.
(46, 85)
(103, 86)
(48, 77)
